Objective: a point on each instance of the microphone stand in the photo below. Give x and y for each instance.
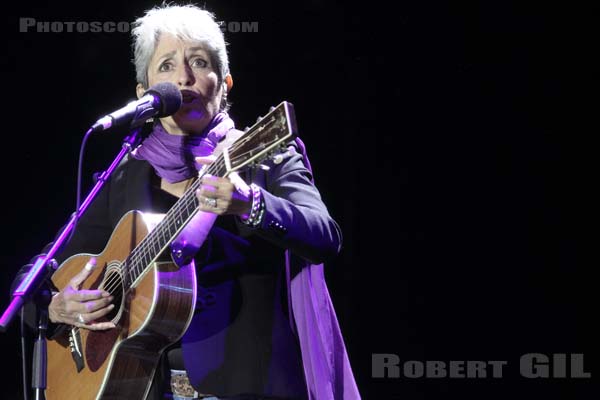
(38, 371)
(44, 267)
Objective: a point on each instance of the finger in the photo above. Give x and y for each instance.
(213, 181)
(86, 271)
(96, 315)
(95, 305)
(206, 160)
(202, 164)
(217, 187)
(208, 191)
(86, 295)
(99, 326)
(89, 319)
(96, 326)
(240, 185)
(209, 204)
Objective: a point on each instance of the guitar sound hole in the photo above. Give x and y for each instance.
(113, 283)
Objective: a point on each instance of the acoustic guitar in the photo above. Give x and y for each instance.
(154, 297)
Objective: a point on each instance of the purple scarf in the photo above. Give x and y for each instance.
(172, 156)
(326, 364)
(325, 360)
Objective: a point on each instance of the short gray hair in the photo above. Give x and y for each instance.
(187, 22)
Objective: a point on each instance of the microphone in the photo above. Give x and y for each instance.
(161, 100)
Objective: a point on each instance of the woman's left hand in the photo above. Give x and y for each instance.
(223, 196)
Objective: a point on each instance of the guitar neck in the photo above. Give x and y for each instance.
(262, 140)
(167, 230)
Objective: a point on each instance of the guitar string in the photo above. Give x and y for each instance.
(152, 241)
(115, 279)
(147, 244)
(133, 259)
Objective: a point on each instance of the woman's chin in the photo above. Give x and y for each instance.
(190, 113)
(192, 126)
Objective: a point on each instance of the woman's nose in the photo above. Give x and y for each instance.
(185, 76)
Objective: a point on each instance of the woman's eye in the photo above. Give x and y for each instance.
(199, 62)
(165, 67)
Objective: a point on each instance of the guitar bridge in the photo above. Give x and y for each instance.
(75, 346)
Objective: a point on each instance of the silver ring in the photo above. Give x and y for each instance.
(210, 202)
(80, 319)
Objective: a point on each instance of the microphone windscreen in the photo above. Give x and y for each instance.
(170, 98)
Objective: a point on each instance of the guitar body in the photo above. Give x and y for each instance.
(154, 298)
(155, 312)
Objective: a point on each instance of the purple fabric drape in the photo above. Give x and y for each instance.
(325, 360)
(172, 156)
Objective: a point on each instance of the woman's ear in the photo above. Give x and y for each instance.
(227, 84)
(140, 90)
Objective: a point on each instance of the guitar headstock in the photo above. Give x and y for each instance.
(265, 139)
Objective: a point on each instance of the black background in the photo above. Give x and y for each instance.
(451, 140)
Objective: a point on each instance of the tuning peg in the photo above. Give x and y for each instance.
(246, 129)
(258, 119)
(271, 109)
(278, 158)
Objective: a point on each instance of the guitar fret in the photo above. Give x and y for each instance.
(131, 275)
(157, 246)
(140, 264)
(134, 274)
(261, 139)
(162, 238)
(134, 271)
(171, 229)
(186, 210)
(145, 260)
(190, 206)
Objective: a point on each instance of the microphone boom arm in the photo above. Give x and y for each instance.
(45, 265)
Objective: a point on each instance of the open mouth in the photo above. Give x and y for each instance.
(188, 96)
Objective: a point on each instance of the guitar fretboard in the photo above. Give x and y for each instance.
(164, 233)
(266, 136)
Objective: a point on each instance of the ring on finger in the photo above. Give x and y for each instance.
(80, 318)
(210, 202)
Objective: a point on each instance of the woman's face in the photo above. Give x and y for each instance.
(188, 66)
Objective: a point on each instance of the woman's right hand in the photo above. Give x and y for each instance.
(81, 307)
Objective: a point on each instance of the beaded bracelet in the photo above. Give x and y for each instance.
(258, 208)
